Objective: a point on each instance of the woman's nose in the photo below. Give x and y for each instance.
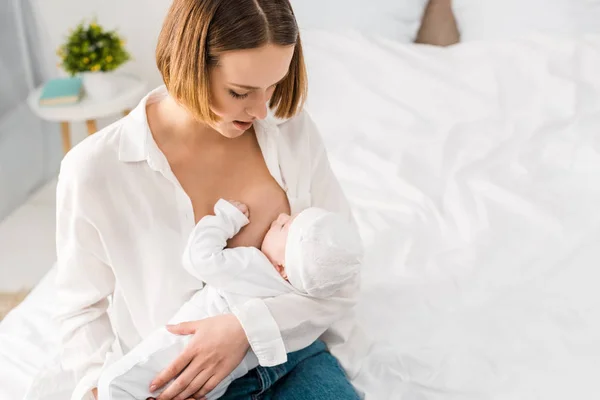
(258, 110)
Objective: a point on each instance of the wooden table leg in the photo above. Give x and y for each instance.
(66, 136)
(91, 126)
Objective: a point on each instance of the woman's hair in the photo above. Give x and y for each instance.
(195, 32)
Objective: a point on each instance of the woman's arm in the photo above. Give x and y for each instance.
(301, 319)
(84, 282)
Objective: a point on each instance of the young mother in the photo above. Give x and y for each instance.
(129, 196)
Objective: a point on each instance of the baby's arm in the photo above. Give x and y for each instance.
(205, 256)
(242, 270)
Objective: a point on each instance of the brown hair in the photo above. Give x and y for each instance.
(195, 32)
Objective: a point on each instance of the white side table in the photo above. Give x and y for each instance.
(131, 91)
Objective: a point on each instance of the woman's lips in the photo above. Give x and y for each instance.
(242, 125)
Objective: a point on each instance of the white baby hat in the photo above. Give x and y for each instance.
(323, 252)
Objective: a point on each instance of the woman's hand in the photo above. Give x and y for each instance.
(218, 346)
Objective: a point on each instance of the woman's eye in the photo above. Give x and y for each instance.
(237, 95)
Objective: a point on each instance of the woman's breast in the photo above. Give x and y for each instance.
(244, 178)
(265, 202)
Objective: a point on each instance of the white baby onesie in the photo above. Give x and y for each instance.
(232, 277)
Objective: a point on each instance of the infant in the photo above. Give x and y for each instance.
(314, 253)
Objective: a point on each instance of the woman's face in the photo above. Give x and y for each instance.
(242, 85)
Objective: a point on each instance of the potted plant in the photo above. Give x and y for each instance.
(94, 53)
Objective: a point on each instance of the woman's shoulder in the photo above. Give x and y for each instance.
(297, 124)
(298, 130)
(97, 155)
(106, 152)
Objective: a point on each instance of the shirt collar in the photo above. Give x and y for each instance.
(137, 144)
(267, 135)
(136, 137)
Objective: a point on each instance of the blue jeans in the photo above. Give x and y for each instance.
(311, 373)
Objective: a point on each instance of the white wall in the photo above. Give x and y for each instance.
(30, 149)
(56, 17)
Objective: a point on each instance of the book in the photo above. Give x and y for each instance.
(61, 91)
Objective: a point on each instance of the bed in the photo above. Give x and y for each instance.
(474, 175)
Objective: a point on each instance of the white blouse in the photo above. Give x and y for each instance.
(123, 221)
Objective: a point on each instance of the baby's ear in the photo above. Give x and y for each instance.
(281, 270)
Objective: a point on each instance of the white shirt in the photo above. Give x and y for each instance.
(123, 221)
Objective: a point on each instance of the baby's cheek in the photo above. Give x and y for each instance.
(281, 247)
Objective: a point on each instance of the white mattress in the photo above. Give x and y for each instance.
(474, 173)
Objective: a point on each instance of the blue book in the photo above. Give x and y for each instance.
(61, 91)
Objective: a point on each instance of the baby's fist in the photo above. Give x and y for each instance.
(242, 207)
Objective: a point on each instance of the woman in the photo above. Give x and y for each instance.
(129, 196)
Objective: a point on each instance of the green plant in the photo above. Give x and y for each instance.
(90, 48)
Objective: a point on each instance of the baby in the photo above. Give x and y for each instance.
(314, 253)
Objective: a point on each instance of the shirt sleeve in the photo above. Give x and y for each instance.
(242, 270)
(84, 282)
(205, 256)
(301, 319)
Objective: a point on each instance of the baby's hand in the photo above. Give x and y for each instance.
(242, 207)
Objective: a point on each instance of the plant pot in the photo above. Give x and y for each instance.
(100, 85)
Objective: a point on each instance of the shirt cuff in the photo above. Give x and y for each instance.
(262, 332)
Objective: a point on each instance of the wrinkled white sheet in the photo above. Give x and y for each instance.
(28, 340)
(474, 173)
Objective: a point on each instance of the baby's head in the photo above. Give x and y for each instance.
(316, 251)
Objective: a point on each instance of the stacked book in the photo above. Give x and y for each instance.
(61, 91)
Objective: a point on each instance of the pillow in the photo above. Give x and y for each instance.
(501, 19)
(395, 19)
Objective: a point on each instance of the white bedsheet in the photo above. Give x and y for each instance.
(474, 172)
(28, 339)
